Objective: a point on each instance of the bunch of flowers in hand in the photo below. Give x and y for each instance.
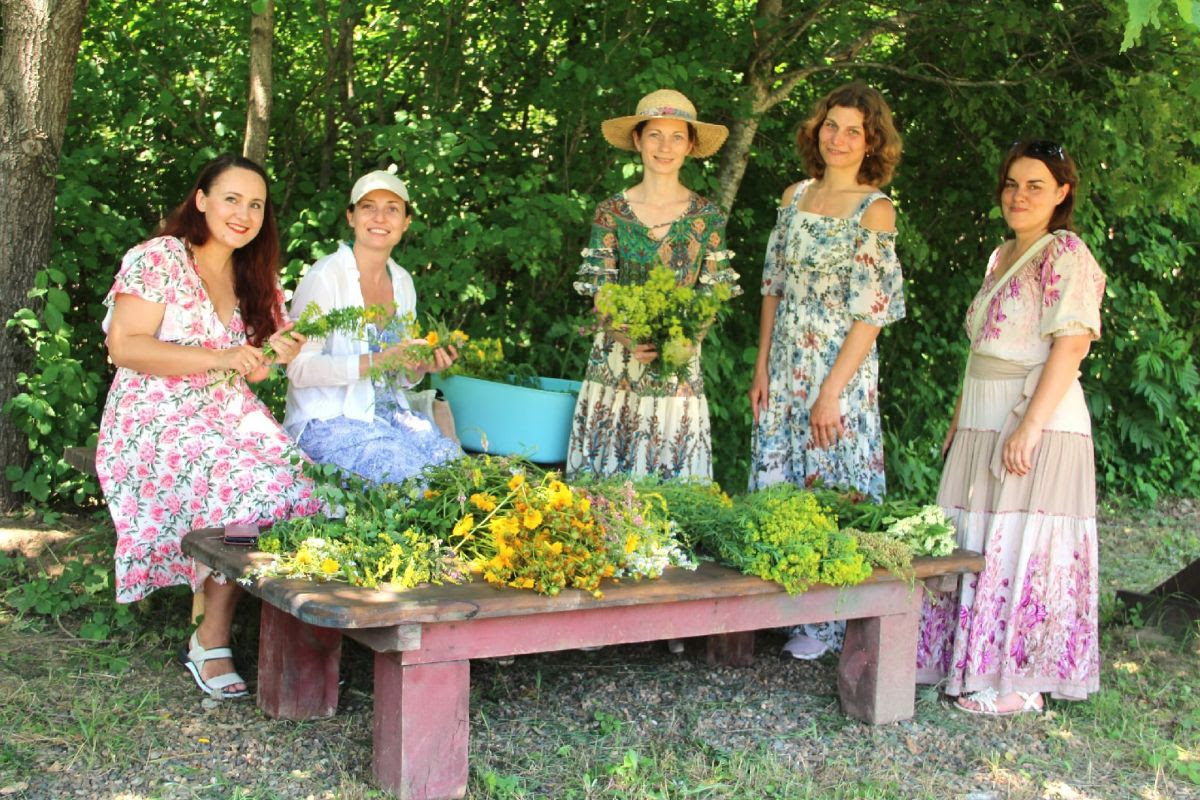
(658, 312)
(425, 341)
(389, 329)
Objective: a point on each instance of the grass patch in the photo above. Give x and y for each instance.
(113, 716)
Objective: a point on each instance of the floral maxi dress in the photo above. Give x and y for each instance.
(828, 273)
(629, 420)
(1029, 621)
(189, 451)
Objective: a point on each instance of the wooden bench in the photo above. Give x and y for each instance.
(424, 639)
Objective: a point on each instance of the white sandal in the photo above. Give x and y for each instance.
(194, 659)
(986, 699)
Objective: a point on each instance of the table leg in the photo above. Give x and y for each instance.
(730, 649)
(297, 667)
(421, 727)
(877, 675)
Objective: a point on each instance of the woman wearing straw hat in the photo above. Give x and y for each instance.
(628, 418)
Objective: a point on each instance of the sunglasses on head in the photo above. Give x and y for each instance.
(1042, 148)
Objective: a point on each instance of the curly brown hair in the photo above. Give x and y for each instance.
(255, 266)
(883, 140)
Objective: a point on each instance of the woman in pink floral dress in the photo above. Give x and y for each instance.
(183, 442)
(1019, 479)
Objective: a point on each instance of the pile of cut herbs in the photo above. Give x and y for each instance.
(510, 523)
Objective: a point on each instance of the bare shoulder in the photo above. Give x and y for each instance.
(789, 193)
(880, 216)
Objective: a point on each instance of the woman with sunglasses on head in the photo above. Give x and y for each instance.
(183, 442)
(831, 282)
(629, 419)
(1019, 479)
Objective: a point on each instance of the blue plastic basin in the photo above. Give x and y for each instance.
(497, 418)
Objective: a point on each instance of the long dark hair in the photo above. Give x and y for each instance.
(255, 265)
(1061, 166)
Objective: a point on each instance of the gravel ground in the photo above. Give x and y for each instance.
(546, 720)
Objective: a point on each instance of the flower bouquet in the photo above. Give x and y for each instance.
(501, 518)
(661, 313)
(388, 329)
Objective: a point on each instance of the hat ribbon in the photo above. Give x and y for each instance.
(667, 111)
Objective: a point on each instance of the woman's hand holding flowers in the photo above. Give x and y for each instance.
(285, 343)
(416, 357)
(242, 360)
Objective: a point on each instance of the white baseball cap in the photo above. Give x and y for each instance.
(379, 179)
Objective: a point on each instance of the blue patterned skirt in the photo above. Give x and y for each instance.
(398, 444)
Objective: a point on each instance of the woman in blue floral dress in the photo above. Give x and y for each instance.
(628, 418)
(831, 281)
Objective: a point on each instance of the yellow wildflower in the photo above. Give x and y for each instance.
(305, 560)
(585, 505)
(484, 502)
(464, 525)
(516, 481)
(631, 542)
(533, 518)
(431, 338)
(329, 566)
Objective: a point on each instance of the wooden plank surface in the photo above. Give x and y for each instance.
(81, 458)
(339, 605)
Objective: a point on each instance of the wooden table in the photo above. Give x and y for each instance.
(424, 639)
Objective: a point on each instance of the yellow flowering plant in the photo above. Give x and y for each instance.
(641, 538)
(673, 318)
(503, 519)
(484, 359)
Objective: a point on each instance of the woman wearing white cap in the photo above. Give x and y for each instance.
(335, 411)
(628, 418)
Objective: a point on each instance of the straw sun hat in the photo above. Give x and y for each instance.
(665, 104)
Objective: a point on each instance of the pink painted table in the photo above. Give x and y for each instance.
(424, 639)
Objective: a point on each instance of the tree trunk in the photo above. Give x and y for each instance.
(775, 34)
(258, 107)
(37, 69)
(734, 157)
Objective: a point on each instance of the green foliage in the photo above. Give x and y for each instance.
(79, 587)
(1145, 12)
(491, 113)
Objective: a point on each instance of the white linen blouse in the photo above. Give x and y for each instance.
(324, 379)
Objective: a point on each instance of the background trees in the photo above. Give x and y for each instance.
(491, 111)
(37, 64)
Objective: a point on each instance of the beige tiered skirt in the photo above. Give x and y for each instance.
(1028, 622)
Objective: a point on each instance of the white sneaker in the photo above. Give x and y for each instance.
(805, 647)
